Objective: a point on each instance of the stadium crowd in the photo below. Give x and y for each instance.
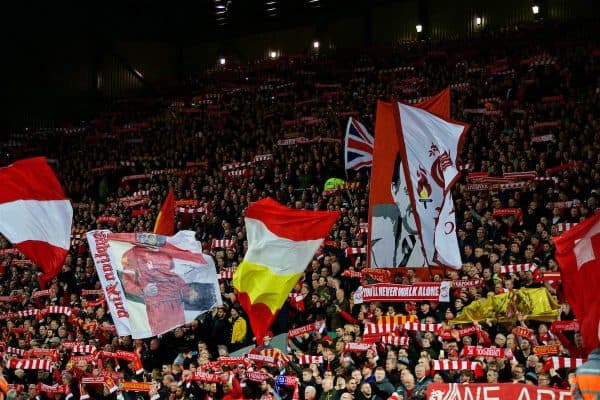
(118, 168)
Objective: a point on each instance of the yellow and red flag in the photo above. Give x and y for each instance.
(165, 222)
(281, 244)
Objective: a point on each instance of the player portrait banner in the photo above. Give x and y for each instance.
(387, 292)
(392, 237)
(489, 391)
(153, 283)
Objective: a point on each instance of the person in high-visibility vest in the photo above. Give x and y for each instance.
(3, 387)
(587, 377)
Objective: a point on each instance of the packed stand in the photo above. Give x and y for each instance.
(531, 108)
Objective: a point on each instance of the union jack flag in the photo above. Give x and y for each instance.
(358, 146)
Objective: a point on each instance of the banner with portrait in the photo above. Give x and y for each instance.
(393, 237)
(153, 283)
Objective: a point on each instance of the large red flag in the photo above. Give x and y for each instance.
(165, 222)
(576, 252)
(35, 214)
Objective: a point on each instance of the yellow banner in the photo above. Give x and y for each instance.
(537, 304)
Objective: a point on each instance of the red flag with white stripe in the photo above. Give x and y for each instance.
(35, 214)
(577, 252)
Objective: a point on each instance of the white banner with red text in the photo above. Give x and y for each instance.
(424, 291)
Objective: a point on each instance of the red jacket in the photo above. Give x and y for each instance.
(145, 269)
(236, 391)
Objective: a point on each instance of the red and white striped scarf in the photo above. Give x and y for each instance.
(263, 157)
(236, 165)
(190, 210)
(308, 359)
(226, 273)
(84, 348)
(449, 365)
(20, 314)
(565, 226)
(418, 327)
(59, 310)
(238, 172)
(378, 329)
(15, 350)
(396, 340)
(518, 268)
(563, 362)
(539, 276)
(222, 243)
(545, 179)
(355, 250)
(30, 363)
(387, 324)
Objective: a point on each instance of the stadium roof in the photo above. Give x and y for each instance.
(181, 21)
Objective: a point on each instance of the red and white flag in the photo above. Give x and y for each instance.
(35, 214)
(577, 252)
(430, 146)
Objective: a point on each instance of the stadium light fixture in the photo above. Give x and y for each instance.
(535, 9)
(222, 61)
(419, 28)
(316, 44)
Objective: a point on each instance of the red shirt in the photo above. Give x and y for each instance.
(148, 278)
